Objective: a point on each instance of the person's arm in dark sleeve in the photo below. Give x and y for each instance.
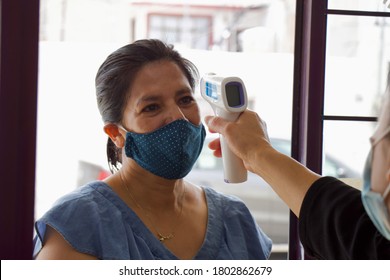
(334, 225)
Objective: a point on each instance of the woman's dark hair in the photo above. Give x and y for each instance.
(115, 77)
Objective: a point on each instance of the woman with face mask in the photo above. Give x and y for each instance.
(336, 221)
(145, 210)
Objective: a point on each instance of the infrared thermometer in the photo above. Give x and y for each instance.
(227, 96)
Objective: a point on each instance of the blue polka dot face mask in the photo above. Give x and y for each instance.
(374, 203)
(168, 152)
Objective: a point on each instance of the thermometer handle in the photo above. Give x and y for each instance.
(234, 169)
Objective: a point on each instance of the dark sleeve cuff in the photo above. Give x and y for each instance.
(328, 217)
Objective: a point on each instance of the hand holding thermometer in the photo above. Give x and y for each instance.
(227, 96)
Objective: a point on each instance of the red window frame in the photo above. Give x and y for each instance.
(18, 110)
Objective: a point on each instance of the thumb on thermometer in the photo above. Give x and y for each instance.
(216, 124)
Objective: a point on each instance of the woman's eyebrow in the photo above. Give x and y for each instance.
(156, 97)
(184, 91)
(148, 98)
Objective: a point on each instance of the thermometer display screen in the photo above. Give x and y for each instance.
(234, 94)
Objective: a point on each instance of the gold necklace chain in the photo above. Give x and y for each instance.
(160, 236)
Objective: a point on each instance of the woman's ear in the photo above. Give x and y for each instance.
(113, 132)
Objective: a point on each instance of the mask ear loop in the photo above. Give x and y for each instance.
(381, 136)
(386, 193)
(121, 127)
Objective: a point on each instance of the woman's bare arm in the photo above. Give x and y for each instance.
(57, 248)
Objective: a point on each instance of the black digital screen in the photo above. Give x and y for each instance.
(233, 95)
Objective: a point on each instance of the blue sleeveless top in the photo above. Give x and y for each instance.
(94, 220)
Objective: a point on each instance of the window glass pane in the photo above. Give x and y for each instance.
(247, 39)
(189, 30)
(363, 5)
(358, 60)
(346, 145)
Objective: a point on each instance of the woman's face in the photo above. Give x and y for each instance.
(160, 94)
(380, 176)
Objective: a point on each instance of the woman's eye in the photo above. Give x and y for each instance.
(150, 108)
(187, 100)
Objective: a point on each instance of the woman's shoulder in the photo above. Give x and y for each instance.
(222, 198)
(87, 203)
(86, 195)
(227, 203)
(84, 218)
(231, 213)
